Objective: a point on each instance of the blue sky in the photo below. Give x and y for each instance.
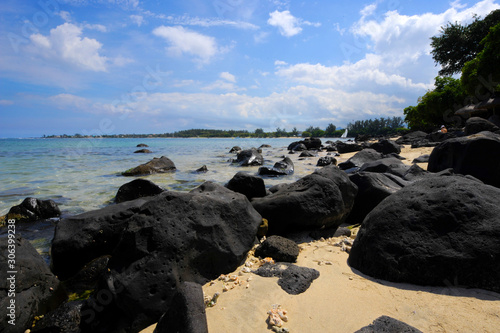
(132, 66)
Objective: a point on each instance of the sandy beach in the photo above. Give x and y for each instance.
(344, 300)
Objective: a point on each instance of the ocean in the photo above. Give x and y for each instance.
(84, 174)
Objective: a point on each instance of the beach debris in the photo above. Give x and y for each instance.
(345, 244)
(277, 316)
(267, 260)
(211, 301)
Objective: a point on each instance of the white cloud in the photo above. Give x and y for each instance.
(137, 19)
(296, 106)
(66, 16)
(210, 22)
(184, 41)
(5, 102)
(98, 27)
(65, 42)
(228, 77)
(287, 24)
(280, 63)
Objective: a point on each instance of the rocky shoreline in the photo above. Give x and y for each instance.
(145, 259)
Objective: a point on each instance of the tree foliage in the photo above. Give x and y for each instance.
(373, 127)
(481, 75)
(458, 44)
(433, 106)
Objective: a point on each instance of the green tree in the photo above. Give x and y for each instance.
(330, 130)
(431, 108)
(481, 75)
(294, 132)
(458, 44)
(306, 134)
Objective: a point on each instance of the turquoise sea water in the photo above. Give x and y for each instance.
(84, 174)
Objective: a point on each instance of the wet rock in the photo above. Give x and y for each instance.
(278, 248)
(435, 231)
(142, 145)
(137, 188)
(202, 169)
(156, 165)
(249, 157)
(249, 185)
(32, 209)
(235, 149)
(281, 168)
(326, 160)
(386, 165)
(143, 151)
(308, 154)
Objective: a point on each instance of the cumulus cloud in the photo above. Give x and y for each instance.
(287, 24)
(65, 42)
(228, 77)
(183, 41)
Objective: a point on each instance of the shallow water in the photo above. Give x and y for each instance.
(84, 174)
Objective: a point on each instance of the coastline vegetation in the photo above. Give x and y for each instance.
(470, 50)
(372, 127)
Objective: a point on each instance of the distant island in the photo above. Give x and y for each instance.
(371, 127)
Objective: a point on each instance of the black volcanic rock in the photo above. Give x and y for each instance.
(156, 165)
(477, 155)
(155, 243)
(322, 199)
(135, 189)
(438, 230)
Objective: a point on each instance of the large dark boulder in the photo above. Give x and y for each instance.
(28, 287)
(386, 165)
(137, 188)
(477, 155)
(385, 146)
(187, 312)
(364, 156)
(280, 168)
(156, 165)
(411, 137)
(309, 143)
(32, 209)
(476, 125)
(322, 199)
(344, 147)
(279, 248)
(155, 243)
(436, 231)
(249, 185)
(249, 157)
(372, 189)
